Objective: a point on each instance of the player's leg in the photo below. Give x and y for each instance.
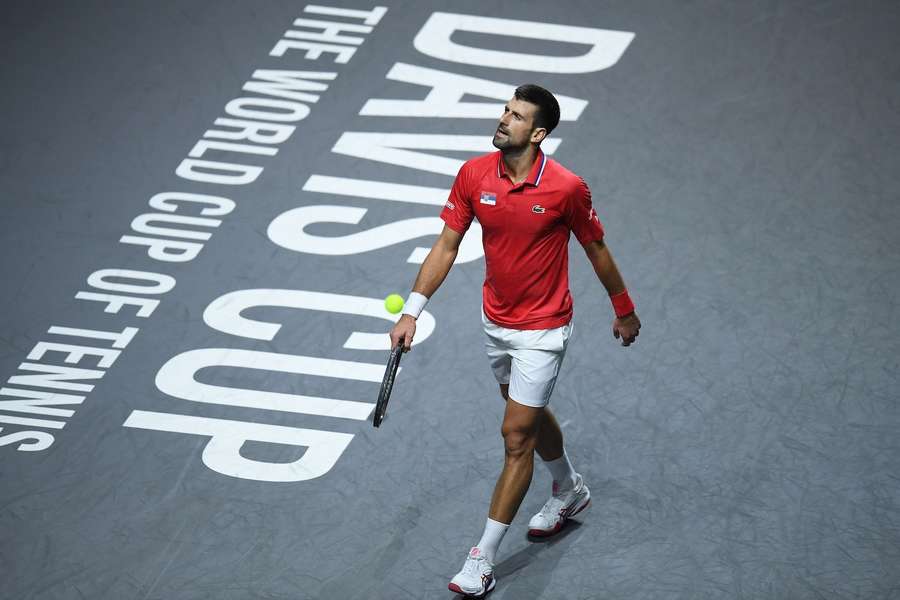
(550, 444)
(533, 377)
(477, 575)
(550, 447)
(525, 364)
(520, 431)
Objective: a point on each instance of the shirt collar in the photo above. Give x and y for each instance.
(537, 168)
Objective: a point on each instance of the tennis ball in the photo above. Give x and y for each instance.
(394, 303)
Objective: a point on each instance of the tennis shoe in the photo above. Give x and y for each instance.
(476, 578)
(562, 505)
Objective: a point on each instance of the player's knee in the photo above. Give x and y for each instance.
(517, 442)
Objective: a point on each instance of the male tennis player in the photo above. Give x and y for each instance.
(527, 205)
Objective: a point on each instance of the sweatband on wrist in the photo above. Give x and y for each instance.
(622, 304)
(415, 304)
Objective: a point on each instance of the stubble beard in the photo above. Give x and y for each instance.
(503, 143)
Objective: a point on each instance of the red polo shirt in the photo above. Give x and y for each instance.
(525, 235)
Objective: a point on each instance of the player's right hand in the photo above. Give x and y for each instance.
(404, 330)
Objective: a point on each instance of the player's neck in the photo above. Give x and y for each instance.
(518, 162)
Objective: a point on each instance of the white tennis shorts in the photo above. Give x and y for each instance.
(527, 359)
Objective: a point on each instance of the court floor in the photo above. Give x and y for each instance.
(205, 204)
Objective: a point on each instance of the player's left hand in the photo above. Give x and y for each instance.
(627, 328)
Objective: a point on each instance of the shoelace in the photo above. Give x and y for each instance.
(556, 503)
(552, 506)
(472, 565)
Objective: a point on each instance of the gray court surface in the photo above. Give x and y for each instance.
(743, 158)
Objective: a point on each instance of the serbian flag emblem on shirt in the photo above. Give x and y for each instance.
(488, 198)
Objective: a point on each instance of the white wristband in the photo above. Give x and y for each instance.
(415, 304)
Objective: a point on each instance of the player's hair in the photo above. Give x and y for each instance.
(548, 108)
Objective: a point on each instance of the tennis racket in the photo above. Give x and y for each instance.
(387, 384)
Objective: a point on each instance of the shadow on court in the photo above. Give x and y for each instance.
(540, 558)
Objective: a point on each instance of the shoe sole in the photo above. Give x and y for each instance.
(556, 528)
(455, 588)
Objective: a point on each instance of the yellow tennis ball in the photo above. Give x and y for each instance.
(394, 303)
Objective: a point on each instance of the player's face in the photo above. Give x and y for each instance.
(516, 128)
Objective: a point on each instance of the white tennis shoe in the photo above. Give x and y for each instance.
(476, 578)
(561, 506)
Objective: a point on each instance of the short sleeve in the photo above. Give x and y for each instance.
(582, 218)
(458, 213)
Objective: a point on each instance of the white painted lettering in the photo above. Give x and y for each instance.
(38, 403)
(314, 50)
(46, 424)
(369, 17)
(56, 377)
(42, 440)
(224, 314)
(202, 146)
(142, 224)
(165, 250)
(177, 378)
(119, 340)
(155, 283)
(219, 206)
(397, 148)
(288, 84)
(445, 98)
(380, 190)
(329, 31)
(212, 171)
(115, 302)
(288, 230)
(252, 131)
(75, 354)
(606, 45)
(223, 451)
(267, 109)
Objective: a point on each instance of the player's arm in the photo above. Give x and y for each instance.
(626, 325)
(438, 262)
(431, 275)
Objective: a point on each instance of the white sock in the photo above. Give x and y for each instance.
(562, 472)
(491, 538)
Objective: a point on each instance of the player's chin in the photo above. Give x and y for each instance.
(500, 142)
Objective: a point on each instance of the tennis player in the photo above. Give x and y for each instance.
(527, 205)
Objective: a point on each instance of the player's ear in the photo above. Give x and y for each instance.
(538, 134)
